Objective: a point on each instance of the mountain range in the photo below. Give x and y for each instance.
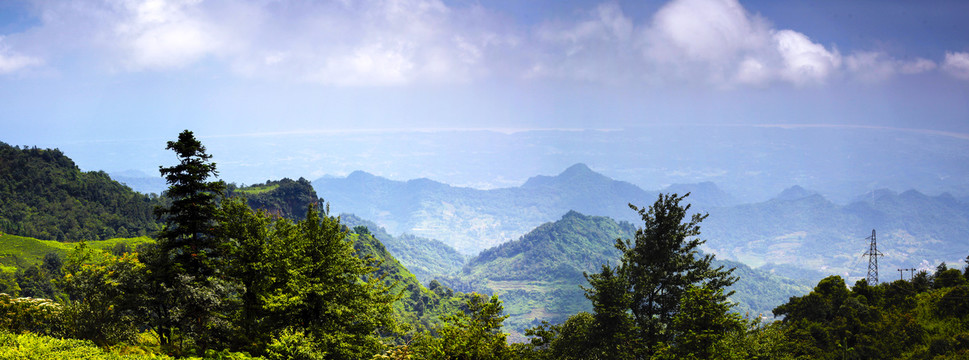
(471, 220)
(796, 229)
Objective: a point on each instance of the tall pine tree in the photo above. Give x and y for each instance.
(186, 263)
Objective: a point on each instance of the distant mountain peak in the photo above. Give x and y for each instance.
(577, 169)
(573, 214)
(360, 174)
(795, 192)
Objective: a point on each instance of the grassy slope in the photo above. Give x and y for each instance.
(256, 189)
(26, 250)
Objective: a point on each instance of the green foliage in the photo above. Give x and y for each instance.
(656, 282)
(108, 298)
(663, 262)
(613, 332)
(30, 346)
(702, 322)
(342, 301)
(44, 195)
(294, 345)
(37, 282)
(417, 307)
(898, 320)
(538, 276)
(21, 252)
(471, 334)
(304, 283)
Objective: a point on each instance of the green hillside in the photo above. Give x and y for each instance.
(43, 194)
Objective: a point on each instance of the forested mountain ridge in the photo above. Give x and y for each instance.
(471, 220)
(43, 194)
(286, 197)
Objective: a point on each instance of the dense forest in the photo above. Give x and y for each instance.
(44, 195)
(230, 277)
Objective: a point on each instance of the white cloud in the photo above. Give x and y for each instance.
(804, 61)
(875, 66)
(11, 61)
(369, 43)
(957, 64)
(707, 41)
(752, 72)
(160, 34)
(704, 30)
(374, 64)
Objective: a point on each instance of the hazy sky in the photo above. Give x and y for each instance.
(79, 73)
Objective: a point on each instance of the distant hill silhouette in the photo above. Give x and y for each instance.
(471, 220)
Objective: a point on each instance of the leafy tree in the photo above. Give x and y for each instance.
(339, 298)
(573, 339)
(613, 333)
(658, 267)
(257, 260)
(108, 297)
(702, 322)
(472, 334)
(52, 263)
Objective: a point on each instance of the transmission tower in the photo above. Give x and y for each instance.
(872, 255)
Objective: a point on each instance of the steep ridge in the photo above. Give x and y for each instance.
(427, 259)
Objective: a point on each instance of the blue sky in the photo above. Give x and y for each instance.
(79, 74)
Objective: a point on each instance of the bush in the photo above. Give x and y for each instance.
(295, 345)
(20, 315)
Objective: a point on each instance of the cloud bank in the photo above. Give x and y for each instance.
(400, 42)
